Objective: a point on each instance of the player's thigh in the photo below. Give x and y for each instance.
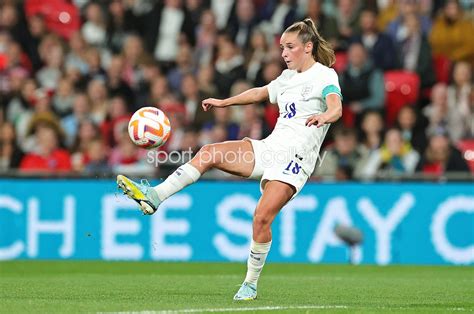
(275, 195)
(234, 157)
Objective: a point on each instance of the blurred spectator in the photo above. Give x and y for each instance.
(20, 103)
(48, 156)
(63, 98)
(74, 75)
(119, 23)
(241, 25)
(372, 128)
(117, 117)
(206, 36)
(127, 158)
(344, 159)
(87, 132)
(97, 94)
(94, 66)
(40, 108)
(168, 26)
(222, 128)
(10, 153)
(415, 51)
(10, 22)
(159, 91)
(397, 28)
(149, 71)
(192, 98)
(450, 34)
(76, 57)
(253, 125)
(440, 157)
(94, 27)
(80, 111)
(380, 47)
(270, 72)
(229, 66)
(222, 10)
(195, 9)
(52, 54)
(205, 77)
(250, 118)
(37, 31)
(97, 163)
(116, 86)
(363, 85)
(326, 24)
(237, 112)
(189, 142)
(10, 98)
(184, 65)
(133, 54)
(460, 105)
(279, 14)
(12, 66)
(396, 156)
(347, 17)
(437, 112)
(177, 116)
(257, 54)
(411, 127)
(388, 11)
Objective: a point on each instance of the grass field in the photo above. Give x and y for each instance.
(71, 287)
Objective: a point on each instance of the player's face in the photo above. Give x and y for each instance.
(293, 51)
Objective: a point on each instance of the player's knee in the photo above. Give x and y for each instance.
(262, 221)
(206, 154)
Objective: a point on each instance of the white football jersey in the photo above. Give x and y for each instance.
(299, 96)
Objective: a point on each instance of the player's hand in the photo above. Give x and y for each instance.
(317, 119)
(212, 102)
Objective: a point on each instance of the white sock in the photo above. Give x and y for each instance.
(178, 180)
(258, 255)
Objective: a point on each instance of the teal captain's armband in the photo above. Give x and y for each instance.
(331, 89)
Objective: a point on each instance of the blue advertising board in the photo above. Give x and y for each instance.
(423, 223)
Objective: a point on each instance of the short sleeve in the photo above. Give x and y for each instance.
(331, 85)
(273, 90)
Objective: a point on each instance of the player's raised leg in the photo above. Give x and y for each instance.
(275, 195)
(235, 157)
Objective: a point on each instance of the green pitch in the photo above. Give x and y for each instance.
(71, 287)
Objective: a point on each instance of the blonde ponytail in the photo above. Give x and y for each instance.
(307, 31)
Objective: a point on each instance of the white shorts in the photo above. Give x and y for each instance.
(276, 162)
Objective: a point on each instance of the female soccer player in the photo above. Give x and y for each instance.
(309, 99)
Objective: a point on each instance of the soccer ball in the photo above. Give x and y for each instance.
(149, 128)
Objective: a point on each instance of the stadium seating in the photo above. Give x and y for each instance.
(61, 16)
(341, 62)
(402, 88)
(442, 67)
(467, 149)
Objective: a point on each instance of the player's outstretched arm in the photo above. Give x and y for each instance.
(253, 95)
(332, 114)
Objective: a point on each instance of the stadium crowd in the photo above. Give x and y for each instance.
(73, 72)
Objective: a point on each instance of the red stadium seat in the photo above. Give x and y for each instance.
(341, 62)
(401, 88)
(61, 16)
(348, 117)
(467, 149)
(442, 67)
